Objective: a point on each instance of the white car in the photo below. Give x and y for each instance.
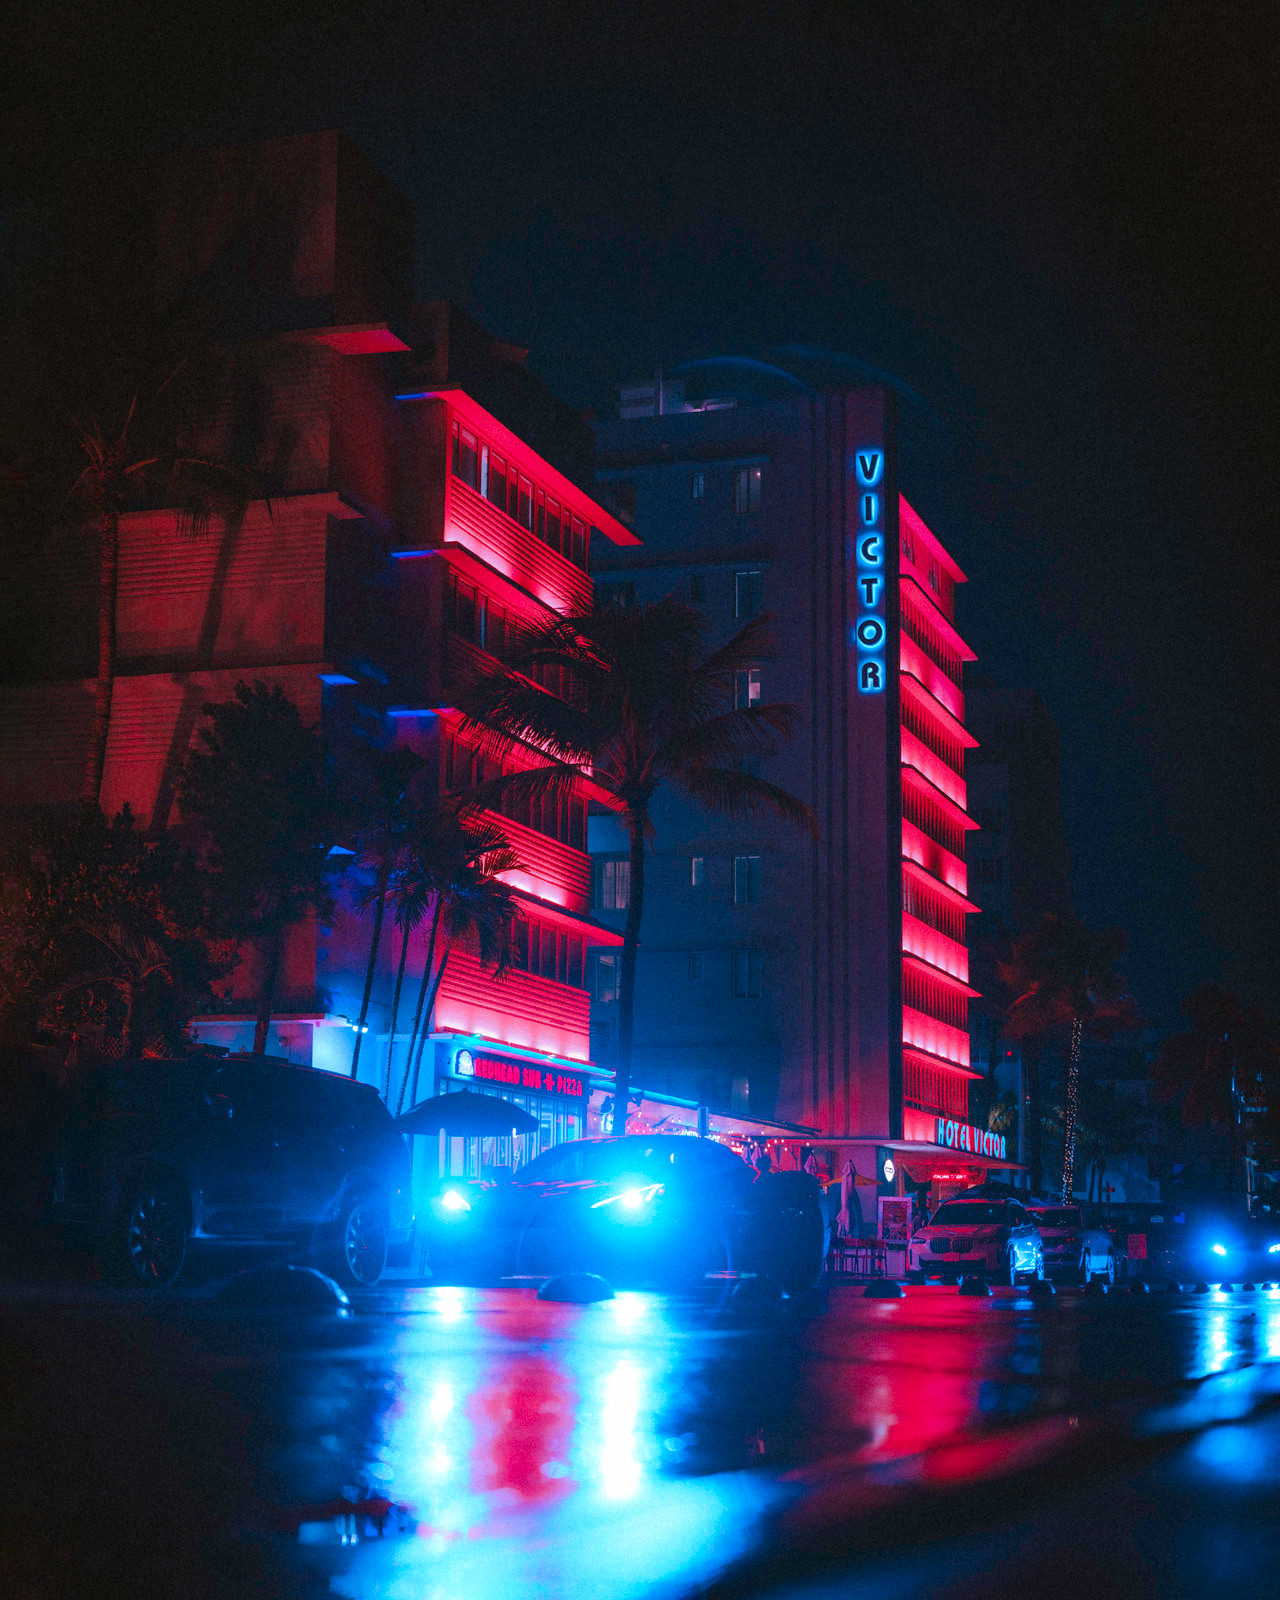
(992, 1238)
(1078, 1252)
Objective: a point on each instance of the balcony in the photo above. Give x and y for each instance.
(521, 1009)
(949, 955)
(511, 549)
(915, 753)
(926, 852)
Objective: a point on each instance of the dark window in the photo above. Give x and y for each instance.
(466, 459)
(746, 688)
(524, 504)
(697, 868)
(613, 884)
(746, 880)
(748, 973)
(497, 486)
(748, 592)
(606, 978)
(621, 592)
(698, 484)
(746, 489)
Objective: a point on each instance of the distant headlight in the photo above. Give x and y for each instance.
(630, 1200)
(1273, 1249)
(1218, 1249)
(453, 1204)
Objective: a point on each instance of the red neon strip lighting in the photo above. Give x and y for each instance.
(929, 704)
(927, 970)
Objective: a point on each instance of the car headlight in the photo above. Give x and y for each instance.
(632, 1200)
(452, 1205)
(1218, 1249)
(1273, 1249)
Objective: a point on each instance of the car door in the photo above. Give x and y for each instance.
(1024, 1237)
(545, 1205)
(312, 1145)
(236, 1161)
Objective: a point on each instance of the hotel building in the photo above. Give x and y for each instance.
(823, 984)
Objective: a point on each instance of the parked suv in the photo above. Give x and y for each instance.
(995, 1238)
(1070, 1247)
(164, 1160)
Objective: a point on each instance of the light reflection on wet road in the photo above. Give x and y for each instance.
(507, 1447)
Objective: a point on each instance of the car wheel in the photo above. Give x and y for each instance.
(1086, 1267)
(1109, 1271)
(150, 1247)
(1040, 1268)
(358, 1252)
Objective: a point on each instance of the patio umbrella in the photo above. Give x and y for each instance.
(467, 1115)
(844, 1222)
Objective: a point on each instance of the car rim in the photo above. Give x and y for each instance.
(156, 1237)
(363, 1244)
(1086, 1267)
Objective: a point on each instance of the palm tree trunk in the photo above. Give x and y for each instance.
(1031, 1112)
(395, 1012)
(108, 570)
(1069, 1114)
(436, 915)
(271, 973)
(426, 1025)
(627, 975)
(381, 906)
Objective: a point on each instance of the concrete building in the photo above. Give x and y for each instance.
(823, 984)
(428, 498)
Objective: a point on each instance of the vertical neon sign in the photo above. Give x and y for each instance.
(869, 629)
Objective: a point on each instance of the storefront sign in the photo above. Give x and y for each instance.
(964, 1136)
(517, 1074)
(870, 629)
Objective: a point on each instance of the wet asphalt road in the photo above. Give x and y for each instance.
(492, 1445)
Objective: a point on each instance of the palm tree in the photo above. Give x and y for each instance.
(471, 904)
(642, 707)
(1226, 1050)
(106, 483)
(128, 964)
(1062, 983)
(387, 814)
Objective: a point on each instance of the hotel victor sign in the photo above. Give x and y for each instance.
(964, 1136)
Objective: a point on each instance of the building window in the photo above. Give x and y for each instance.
(697, 966)
(498, 480)
(935, 577)
(697, 484)
(748, 972)
(547, 952)
(748, 592)
(621, 592)
(620, 497)
(697, 866)
(746, 689)
(746, 880)
(606, 985)
(698, 589)
(613, 884)
(746, 489)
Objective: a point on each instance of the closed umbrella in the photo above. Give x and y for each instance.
(467, 1115)
(844, 1222)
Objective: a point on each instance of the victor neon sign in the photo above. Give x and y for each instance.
(965, 1136)
(870, 629)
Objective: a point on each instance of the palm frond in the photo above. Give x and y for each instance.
(741, 795)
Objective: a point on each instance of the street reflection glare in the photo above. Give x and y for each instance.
(628, 1309)
(620, 1469)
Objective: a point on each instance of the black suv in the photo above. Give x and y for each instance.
(162, 1160)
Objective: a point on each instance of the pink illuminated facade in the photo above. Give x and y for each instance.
(426, 504)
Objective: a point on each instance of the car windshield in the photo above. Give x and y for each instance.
(1063, 1217)
(964, 1213)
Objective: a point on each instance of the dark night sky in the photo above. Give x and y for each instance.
(1059, 224)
